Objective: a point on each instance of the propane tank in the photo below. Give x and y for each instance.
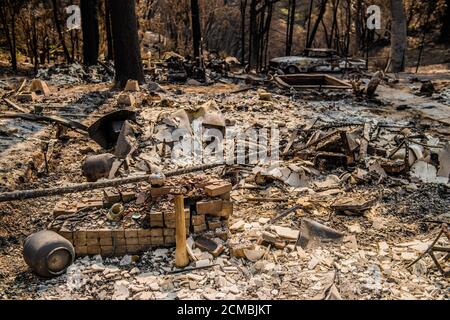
(48, 254)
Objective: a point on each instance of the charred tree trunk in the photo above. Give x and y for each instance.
(290, 26)
(398, 36)
(323, 8)
(358, 25)
(309, 21)
(253, 39)
(243, 15)
(35, 45)
(267, 34)
(445, 29)
(333, 24)
(60, 31)
(260, 37)
(10, 34)
(89, 26)
(14, 45)
(196, 30)
(110, 54)
(127, 55)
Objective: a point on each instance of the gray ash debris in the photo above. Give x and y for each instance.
(75, 73)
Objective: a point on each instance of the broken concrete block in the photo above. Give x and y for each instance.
(286, 233)
(254, 255)
(202, 263)
(132, 86)
(39, 87)
(269, 237)
(238, 250)
(237, 226)
(126, 100)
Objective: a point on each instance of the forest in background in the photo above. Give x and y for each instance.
(254, 31)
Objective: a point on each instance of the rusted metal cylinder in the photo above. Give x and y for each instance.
(98, 166)
(48, 253)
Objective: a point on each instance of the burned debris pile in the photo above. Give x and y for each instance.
(351, 193)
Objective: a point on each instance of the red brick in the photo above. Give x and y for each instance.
(169, 232)
(217, 189)
(156, 232)
(159, 192)
(93, 250)
(132, 241)
(145, 241)
(81, 251)
(92, 242)
(198, 220)
(200, 228)
(131, 233)
(207, 207)
(106, 241)
(157, 241)
(144, 233)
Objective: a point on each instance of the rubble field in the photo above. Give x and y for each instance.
(361, 190)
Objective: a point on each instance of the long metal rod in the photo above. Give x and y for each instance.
(40, 193)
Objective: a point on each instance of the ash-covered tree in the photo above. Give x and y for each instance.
(127, 55)
(89, 26)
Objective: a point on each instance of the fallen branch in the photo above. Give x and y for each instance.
(40, 193)
(14, 106)
(52, 119)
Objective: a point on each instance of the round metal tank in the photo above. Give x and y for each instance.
(48, 253)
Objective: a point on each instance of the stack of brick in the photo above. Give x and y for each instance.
(117, 242)
(211, 213)
(214, 211)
